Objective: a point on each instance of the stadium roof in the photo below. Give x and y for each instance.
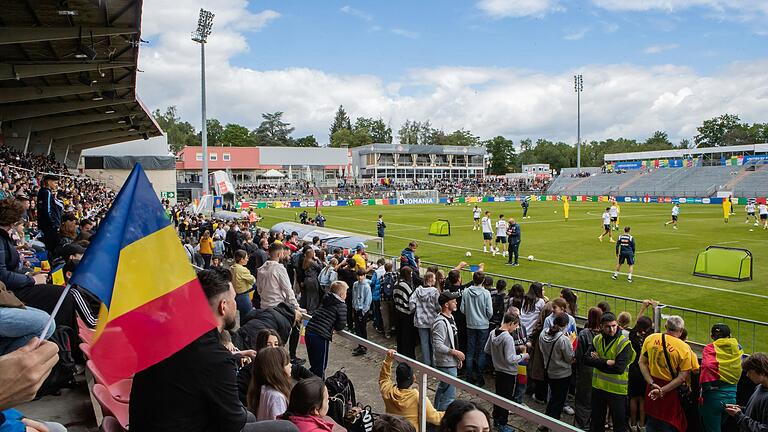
(423, 149)
(680, 153)
(68, 72)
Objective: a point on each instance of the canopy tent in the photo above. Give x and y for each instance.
(333, 237)
(273, 173)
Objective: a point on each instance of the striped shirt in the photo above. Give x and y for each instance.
(402, 295)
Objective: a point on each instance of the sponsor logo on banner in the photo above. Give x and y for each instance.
(500, 199)
(303, 204)
(418, 201)
(627, 199)
(682, 200)
(697, 200)
(705, 201)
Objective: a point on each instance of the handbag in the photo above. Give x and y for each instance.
(684, 392)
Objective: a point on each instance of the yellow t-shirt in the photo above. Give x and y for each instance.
(206, 246)
(680, 356)
(359, 261)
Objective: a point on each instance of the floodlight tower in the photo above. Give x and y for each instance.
(204, 24)
(578, 87)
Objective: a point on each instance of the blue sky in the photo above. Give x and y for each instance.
(494, 67)
(389, 38)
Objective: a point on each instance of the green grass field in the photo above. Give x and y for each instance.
(569, 253)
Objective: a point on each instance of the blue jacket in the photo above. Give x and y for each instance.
(476, 305)
(49, 210)
(407, 257)
(375, 287)
(361, 296)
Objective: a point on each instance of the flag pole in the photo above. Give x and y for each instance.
(53, 314)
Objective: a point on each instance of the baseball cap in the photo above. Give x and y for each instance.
(446, 296)
(361, 246)
(720, 331)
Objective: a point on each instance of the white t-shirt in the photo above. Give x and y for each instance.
(614, 211)
(606, 218)
(750, 208)
(486, 223)
(501, 228)
(763, 209)
(675, 210)
(476, 213)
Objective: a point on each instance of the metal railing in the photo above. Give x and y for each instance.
(751, 334)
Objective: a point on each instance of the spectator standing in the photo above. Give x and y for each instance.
(446, 357)
(243, 281)
(423, 304)
(583, 371)
(361, 305)
(206, 247)
(666, 362)
(533, 303)
(406, 332)
(610, 357)
(408, 255)
(754, 418)
(643, 327)
(272, 281)
(310, 281)
(328, 276)
(330, 316)
(387, 286)
(501, 347)
(380, 226)
(557, 353)
(720, 372)
(476, 305)
(376, 294)
(49, 211)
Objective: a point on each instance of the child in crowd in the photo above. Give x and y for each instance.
(361, 305)
(624, 320)
(559, 307)
(330, 316)
(498, 300)
(501, 346)
(424, 303)
(523, 345)
(271, 384)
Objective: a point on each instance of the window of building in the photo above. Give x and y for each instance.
(226, 157)
(213, 157)
(198, 156)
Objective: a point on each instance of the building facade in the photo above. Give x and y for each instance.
(402, 162)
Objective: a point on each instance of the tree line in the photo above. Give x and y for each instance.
(504, 155)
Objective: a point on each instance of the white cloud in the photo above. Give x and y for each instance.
(618, 100)
(728, 9)
(405, 33)
(658, 49)
(518, 8)
(365, 16)
(576, 35)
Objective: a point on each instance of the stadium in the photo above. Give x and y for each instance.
(154, 276)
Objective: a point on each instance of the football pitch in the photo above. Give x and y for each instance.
(569, 253)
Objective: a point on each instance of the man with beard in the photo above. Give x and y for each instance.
(196, 388)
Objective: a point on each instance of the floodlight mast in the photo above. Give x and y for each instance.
(578, 87)
(204, 25)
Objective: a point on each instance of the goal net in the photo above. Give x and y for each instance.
(417, 197)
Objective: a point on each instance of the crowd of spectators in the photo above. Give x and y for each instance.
(302, 189)
(622, 371)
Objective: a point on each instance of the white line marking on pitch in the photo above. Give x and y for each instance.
(658, 250)
(584, 267)
(729, 242)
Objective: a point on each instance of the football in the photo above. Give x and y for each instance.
(469, 254)
(530, 257)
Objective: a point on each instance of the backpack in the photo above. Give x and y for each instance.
(341, 394)
(63, 372)
(388, 282)
(325, 276)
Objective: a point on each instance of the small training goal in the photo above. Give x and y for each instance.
(732, 264)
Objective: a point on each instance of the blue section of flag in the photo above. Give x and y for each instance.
(135, 214)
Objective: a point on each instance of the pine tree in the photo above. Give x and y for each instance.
(341, 121)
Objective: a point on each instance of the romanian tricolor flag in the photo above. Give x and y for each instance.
(152, 303)
(721, 361)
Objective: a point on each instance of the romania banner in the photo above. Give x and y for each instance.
(152, 303)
